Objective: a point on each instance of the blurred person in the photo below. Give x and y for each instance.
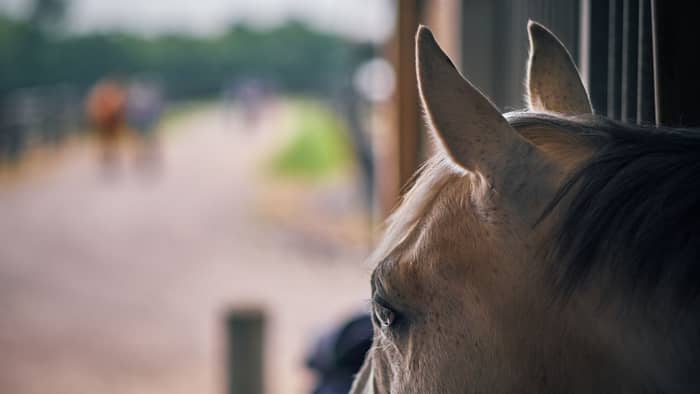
(228, 100)
(144, 104)
(251, 96)
(337, 356)
(106, 110)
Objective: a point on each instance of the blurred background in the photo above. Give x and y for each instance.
(189, 189)
(181, 181)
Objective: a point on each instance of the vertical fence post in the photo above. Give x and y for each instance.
(245, 337)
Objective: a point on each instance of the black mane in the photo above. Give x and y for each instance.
(634, 206)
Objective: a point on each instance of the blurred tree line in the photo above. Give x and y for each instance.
(36, 51)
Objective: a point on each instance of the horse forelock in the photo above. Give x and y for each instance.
(405, 221)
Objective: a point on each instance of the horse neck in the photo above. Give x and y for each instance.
(651, 347)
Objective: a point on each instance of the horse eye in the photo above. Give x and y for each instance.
(384, 315)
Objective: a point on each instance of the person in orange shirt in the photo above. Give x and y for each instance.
(106, 111)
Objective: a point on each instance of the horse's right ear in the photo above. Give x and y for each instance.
(471, 130)
(553, 83)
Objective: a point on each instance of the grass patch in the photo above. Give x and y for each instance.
(319, 147)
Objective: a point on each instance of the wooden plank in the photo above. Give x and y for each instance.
(614, 59)
(408, 121)
(676, 65)
(645, 62)
(630, 47)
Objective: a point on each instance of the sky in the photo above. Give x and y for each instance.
(364, 20)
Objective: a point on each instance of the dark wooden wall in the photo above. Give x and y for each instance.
(676, 62)
(619, 57)
(495, 43)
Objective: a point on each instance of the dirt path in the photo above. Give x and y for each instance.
(121, 285)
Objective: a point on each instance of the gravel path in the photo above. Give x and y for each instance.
(121, 285)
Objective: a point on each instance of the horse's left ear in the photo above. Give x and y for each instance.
(553, 82)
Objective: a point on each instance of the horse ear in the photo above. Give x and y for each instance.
(467, 125)
(553, 82)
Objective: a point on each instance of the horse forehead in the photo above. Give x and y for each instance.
(450, 229)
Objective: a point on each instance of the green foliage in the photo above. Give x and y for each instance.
(319, 146)
(292, 58)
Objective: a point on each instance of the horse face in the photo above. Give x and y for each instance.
(459, 300)
(455, 306)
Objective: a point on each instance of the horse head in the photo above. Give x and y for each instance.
(471, 289)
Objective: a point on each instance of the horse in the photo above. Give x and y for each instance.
(550, 250)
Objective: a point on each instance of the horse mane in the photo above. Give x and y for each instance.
(426, 185)
(633, 206)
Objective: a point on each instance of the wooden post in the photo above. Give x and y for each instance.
(245, 332)
(409, 120)
(645, 62)
(407, 149)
